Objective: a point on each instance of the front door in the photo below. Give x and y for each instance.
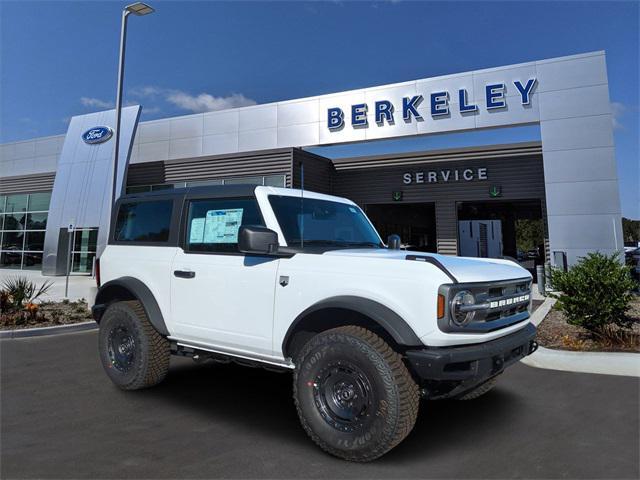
(220, 297)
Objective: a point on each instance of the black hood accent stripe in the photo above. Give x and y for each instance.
(433, 261)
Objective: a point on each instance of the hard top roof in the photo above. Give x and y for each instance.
(239, 190)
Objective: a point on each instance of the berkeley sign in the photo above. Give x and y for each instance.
(384, 110)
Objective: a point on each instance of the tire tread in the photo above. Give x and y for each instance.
(408, 393)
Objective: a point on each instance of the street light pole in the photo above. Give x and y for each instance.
(137, 9)
(123, 41)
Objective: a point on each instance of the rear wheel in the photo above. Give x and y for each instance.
(132, 352)
(354, 395)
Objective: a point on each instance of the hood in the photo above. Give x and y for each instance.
(464, 269)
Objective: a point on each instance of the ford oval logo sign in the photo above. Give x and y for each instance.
(97, 135)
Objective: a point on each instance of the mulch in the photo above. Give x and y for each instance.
(49, 314)
(554, 332)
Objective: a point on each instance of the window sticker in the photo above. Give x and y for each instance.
(221, 226)
(196, 235)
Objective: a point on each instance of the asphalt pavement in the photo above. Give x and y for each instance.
(62, 418)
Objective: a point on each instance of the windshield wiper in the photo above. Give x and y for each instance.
(362, 244)
(316, 242)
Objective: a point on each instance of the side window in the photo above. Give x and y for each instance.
(144, 221)
(213, 225)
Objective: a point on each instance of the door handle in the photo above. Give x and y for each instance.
(184, 273)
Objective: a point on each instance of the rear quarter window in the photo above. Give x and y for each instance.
(144, 222)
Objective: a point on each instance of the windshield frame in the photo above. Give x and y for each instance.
(322, 244)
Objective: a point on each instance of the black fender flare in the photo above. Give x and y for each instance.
(386, 318)
(138, 290)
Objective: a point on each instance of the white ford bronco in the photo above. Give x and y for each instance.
(301, 281)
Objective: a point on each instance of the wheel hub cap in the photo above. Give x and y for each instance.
(343, 396)
(121, 348)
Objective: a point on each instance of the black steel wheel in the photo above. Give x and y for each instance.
(121, 347)
(354, 395)
(132, 352)
(343, 395)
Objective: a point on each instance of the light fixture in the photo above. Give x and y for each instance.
(139, 8)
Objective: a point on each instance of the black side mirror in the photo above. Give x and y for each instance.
(257, 240)
(393, 242)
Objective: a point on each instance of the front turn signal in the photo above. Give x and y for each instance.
(440, 306)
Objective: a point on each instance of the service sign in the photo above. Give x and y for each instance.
(97, 135)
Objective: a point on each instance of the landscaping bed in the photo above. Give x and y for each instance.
(554, 332)
(22, 306)
(48, 314)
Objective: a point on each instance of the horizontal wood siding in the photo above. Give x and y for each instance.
(42, 182)
(273, 162)
(520, 177)
(447, 227)
(318, 172)
(149, 173)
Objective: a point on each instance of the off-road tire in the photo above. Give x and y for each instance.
(391, 403)
(479, 391)
(148, 362)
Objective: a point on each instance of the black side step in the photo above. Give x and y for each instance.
(200, 356)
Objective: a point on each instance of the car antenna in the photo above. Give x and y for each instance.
(302, 204)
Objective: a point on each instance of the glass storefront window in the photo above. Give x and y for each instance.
(23, 221)
(16, 203)
(10, 259)
(14, 221)
(12, 240)
(34, 241)
(32, 261)
(243, 181)
(39, 202)
(139, 189)
(85, 240)
(85, 243)
(83, 262)
(37, 221)
(268, 180)
(155, 188)
(275, 181)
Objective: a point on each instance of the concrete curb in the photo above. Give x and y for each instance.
(42, 331)
(538, 315)
(606, 363)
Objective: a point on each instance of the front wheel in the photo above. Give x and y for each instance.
(354, 395)
(132, 352)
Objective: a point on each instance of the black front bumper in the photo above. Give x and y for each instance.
(468, 366)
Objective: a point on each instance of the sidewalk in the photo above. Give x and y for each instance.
(80, 286)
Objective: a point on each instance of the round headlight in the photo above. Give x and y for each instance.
(463, 298)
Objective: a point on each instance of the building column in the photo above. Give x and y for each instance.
(447, 228)
(581, 184)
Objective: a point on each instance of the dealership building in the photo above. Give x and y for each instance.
(551, 200)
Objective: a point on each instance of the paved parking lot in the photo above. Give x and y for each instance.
(62, 418)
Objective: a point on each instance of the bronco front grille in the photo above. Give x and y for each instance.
(497, 305)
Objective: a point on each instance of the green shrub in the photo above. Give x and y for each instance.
(595, 292)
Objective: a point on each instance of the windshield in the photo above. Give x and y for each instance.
(313, 222)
